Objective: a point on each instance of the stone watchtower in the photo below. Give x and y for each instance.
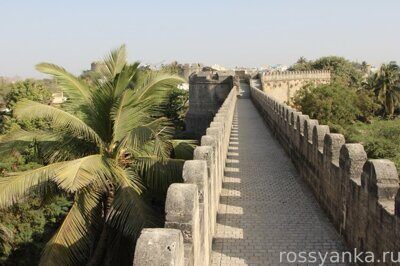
(207, 92)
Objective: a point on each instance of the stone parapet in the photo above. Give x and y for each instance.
(297, 75)
(191, 207)
(360, 195)
(207, 92)
(284, 85)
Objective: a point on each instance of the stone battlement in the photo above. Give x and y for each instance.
(360, 195)
(284, 85)
(207, 91)
(297, 75)
(191, 207)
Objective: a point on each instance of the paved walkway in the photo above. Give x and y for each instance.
(265, 208)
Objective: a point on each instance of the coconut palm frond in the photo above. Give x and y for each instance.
(72, 243)
(115, 62)
(124, 177)
(158, 174)
(135, 135)
(125, 78)
(17, 186)
(19, 139)
(129, 213)
(66, 148)
(157, 86)
(75, 88)
(135, 139)
(125, 117)
(80, 173)
(26, 109)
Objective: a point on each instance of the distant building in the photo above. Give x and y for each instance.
(98, 67)
(3, 108)
(183, 86)
(10, 79)
(58, 98)
(218, 67)
(274, 68)
(189, 69)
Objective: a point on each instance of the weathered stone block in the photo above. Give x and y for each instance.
(181, 202)
(159, 246)
(332, 145)
(352, 159)
(380, 178)
(319, 133)
(195, 172)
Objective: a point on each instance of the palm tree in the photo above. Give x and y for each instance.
(387, 87)
(370, 83)
(107, 145)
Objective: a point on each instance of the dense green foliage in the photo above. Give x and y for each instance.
(334, 104)
(343, 72)
(28, 89)
(34, 90)
(178, 102)
(31, 225)
(176, 107)
(381, 138)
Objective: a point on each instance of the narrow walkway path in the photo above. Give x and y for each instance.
(265, 208)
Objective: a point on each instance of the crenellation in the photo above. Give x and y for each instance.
(361, 196)
(332, 145)
(283, 85)
(309, 125)
(352, 159)
(319, 133)
(380, 179)
(159, 246)
(191, 207)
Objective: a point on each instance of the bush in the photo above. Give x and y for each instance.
(381, 139)
(335, 105)
(32, 224)
(28, 89)
(176, 108)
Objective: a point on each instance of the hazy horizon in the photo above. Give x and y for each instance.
(230, 33)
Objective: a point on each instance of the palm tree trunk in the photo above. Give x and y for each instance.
(98, 255)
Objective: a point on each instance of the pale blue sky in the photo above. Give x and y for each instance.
(233, 33)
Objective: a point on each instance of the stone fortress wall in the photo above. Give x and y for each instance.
(191, 207)
(207, 92)
(283, 85)
(360, 195)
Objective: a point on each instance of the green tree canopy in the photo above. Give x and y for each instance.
(28, 89)
(334, 104)
(343, 71)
